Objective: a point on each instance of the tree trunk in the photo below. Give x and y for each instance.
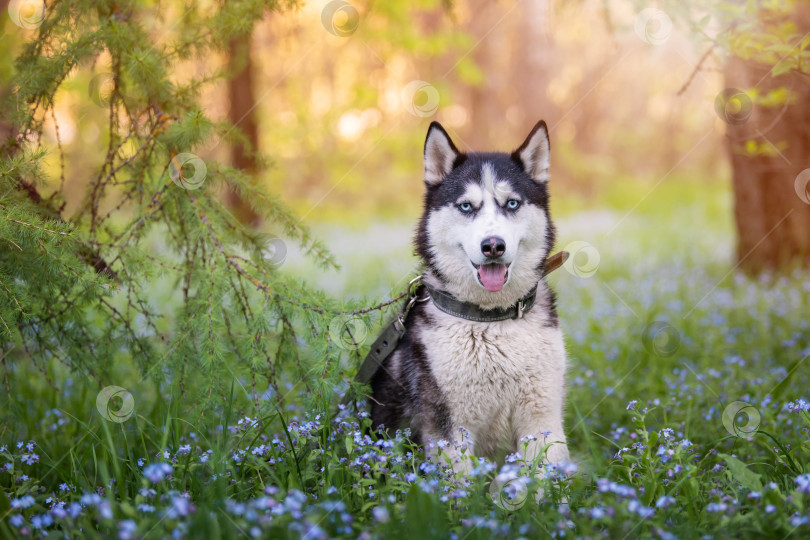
(485, 110)
(7, 132)
(533, 63)
(515, 50)
(773, 220)
(242, 113)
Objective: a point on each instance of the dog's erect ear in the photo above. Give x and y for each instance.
(440, 154)
(533, 154)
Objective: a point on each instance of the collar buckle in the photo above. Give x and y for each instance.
(521, 306)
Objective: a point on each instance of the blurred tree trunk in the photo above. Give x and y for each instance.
(485, 109)
(773, 222)
(7, 131)
(516, 53)
(242, 113)
(533, 63)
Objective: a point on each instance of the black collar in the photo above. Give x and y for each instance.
(472, 312)
(466, 310)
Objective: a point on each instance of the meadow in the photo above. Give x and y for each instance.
(687, 413)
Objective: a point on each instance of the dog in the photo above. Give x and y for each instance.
(482, 353)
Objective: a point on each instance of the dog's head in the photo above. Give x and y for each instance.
(486, 231)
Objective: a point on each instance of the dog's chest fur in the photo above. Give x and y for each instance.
(487, 371)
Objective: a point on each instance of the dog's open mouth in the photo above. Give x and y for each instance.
(493, 276)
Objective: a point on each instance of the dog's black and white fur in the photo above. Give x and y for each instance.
(484, 236)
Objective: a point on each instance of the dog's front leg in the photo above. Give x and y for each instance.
(539, 434)
(540, 439)
(538, 415)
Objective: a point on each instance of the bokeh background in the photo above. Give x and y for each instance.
(338, 99)
(680, 169)
(335, 99)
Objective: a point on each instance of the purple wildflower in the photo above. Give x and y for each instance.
(156, 472)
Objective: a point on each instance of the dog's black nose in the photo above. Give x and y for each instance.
(493, 247)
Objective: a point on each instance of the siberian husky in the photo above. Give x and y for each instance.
(482, 353)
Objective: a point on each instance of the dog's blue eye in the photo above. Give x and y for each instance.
(465, 207)
(512, 204)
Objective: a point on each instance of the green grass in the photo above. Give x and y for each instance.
(662, 322)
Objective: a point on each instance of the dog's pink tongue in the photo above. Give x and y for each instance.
(492, 276)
